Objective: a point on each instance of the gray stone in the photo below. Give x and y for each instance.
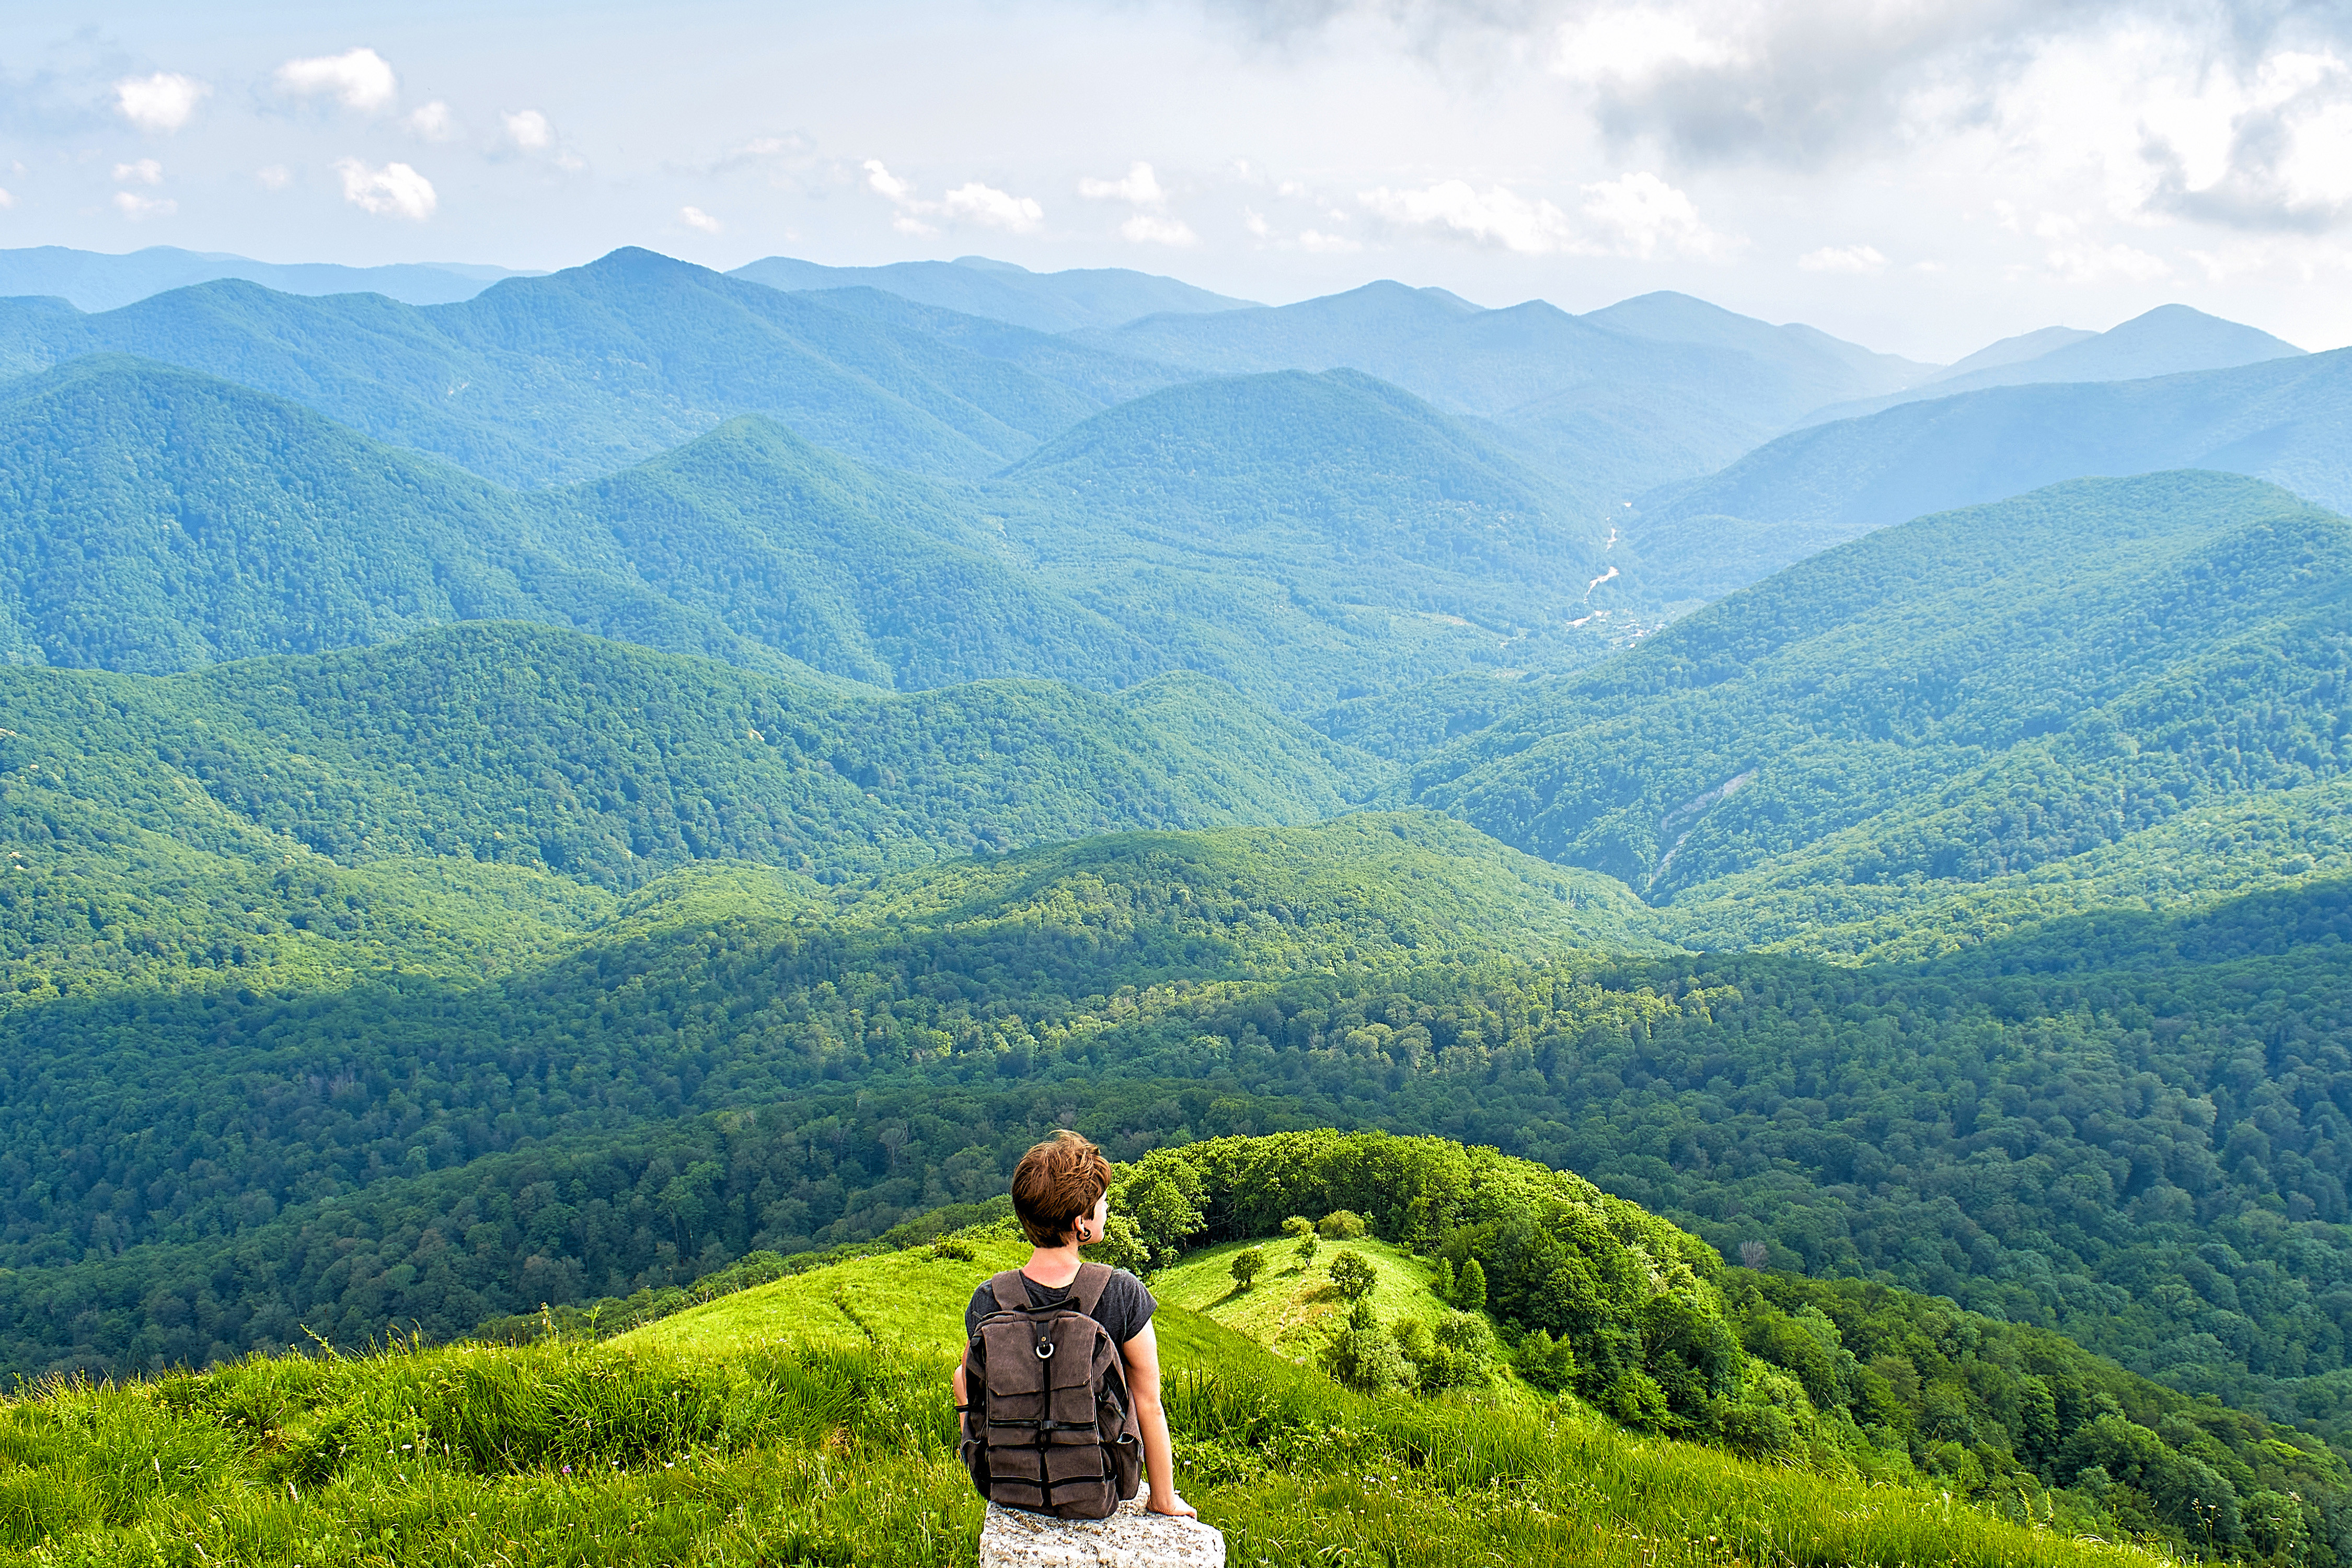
(1131, 1538)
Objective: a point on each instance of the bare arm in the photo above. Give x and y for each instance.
(1142, 1355)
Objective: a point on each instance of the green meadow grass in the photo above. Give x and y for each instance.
(912, 1300)
(808, 1420)
(1291, 1309)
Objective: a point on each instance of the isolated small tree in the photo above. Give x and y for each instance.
(1342, 1224)
(1352, 1276)
(1247, 1264)
(1440, 1284)
(1299, 1226)
(1470, 1288)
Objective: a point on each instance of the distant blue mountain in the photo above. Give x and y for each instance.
(1000, 292)
(2288, 420)
(584, 371)
(2166, 340)
(92, 280)
(1610, 404)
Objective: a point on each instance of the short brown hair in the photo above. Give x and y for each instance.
(1056, 1182)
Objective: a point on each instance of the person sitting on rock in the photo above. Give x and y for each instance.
(1061, 1195)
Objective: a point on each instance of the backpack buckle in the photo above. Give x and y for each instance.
(1044, 1349)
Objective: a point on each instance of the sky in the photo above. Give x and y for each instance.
(1924, 176)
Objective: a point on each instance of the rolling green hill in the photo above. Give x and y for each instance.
(194, 822)
(1319, 537)
(861, 573)
(1312, 538)
(165, 520)
(1983, 704)
(2284, 420)
(1841, 1380)
(811, 1419)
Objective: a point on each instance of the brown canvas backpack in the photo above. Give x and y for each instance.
(1051, 1424)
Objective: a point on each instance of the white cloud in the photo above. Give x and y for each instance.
(160, 103)
(276, 177)
(6, 201)
(357, 79)
(136, 207)
(393, 191)
(1327, 244)
(1140, 188)
(879, 178)
(695, 218)
(1256, 223)
(1491, 217)
(1639, 44)
(900, 195)
(1636, 215)
(1843, 258)
(2074, 258)
(529, 130)
(433, 122)
(1149, 228)
(971, 202)
(146, 172)
(986, 204)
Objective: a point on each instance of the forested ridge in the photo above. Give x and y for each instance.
(1925, 738)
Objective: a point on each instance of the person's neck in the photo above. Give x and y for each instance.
(1053, 1267)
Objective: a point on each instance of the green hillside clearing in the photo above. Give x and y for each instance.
(1293, 1309)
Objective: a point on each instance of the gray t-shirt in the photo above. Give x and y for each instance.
(1125, 1307)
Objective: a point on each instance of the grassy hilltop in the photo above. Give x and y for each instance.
(807, 1420)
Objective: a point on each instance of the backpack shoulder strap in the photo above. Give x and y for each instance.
(1088, 1289)
(1012, 1292)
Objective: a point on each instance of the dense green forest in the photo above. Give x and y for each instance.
(272, 820)
(2054, 1127)
(168, 519)
(1926, 736)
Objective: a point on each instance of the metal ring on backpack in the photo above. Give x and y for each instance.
(1044, 1349)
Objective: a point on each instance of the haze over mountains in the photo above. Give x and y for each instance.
(489, 744)
(88, 281)
(1000, 292)
(2285, 419)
